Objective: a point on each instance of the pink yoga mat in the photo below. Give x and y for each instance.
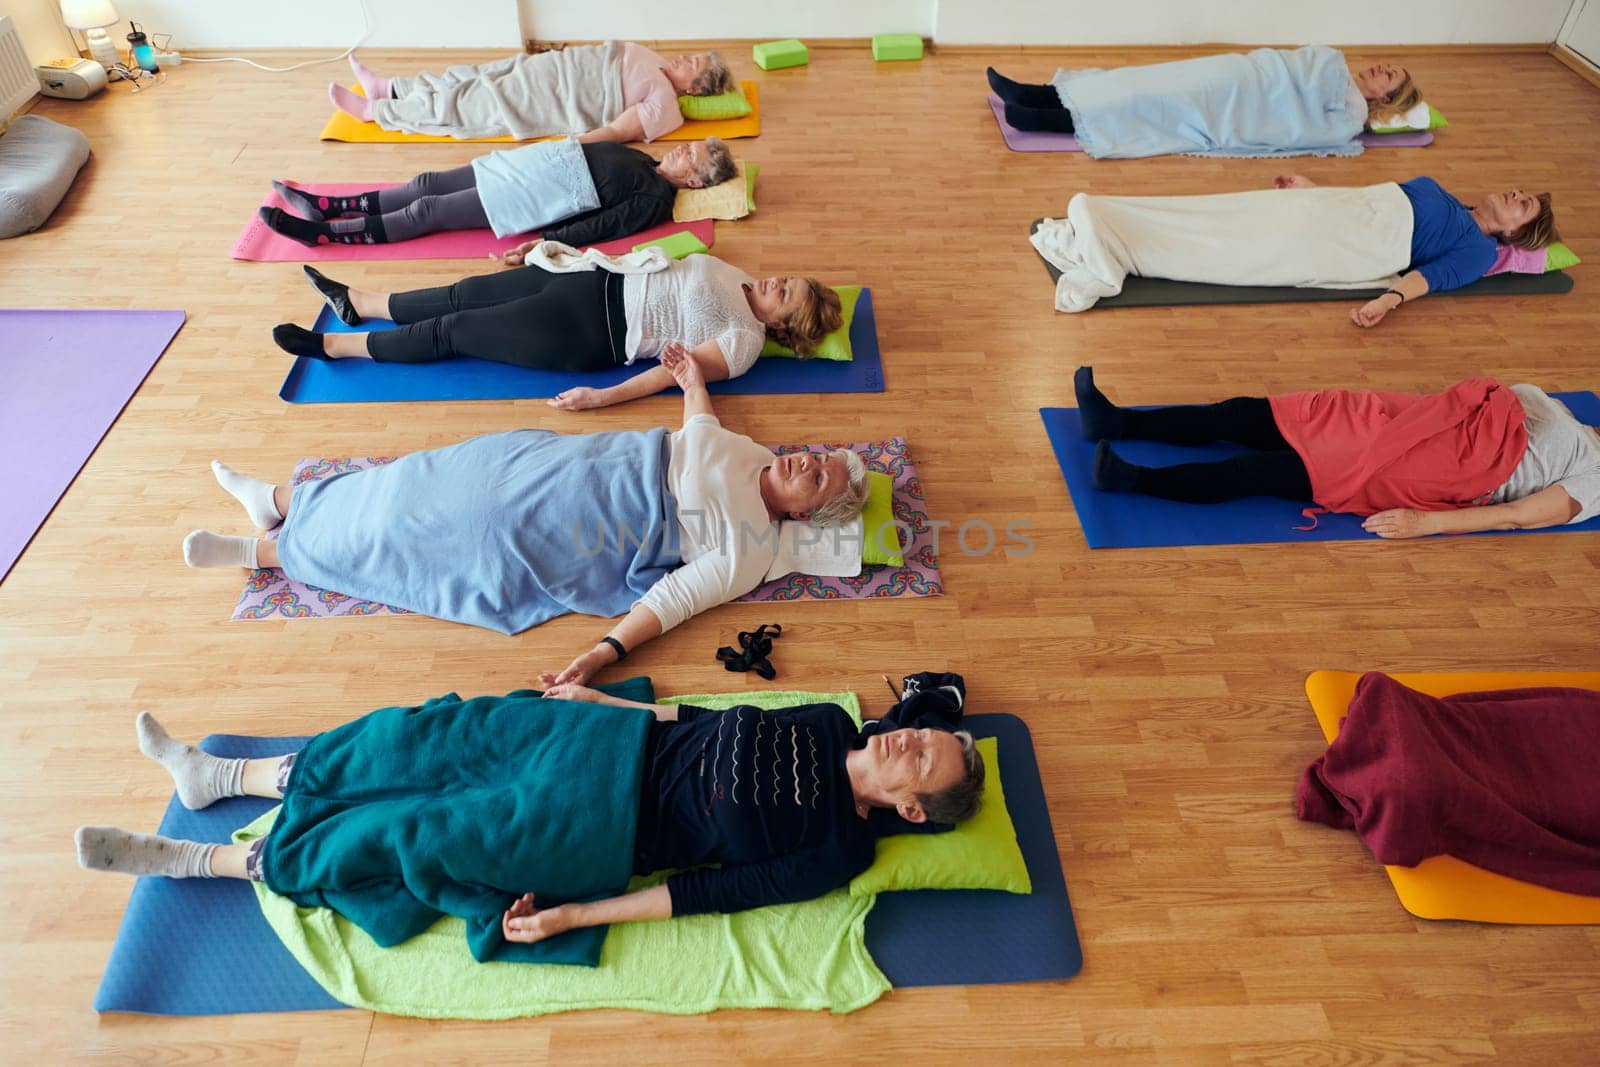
(1035, 141)
(272, 594)
(65, 376)
(261, 245)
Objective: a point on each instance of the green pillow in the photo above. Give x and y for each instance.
(836, 345)
(751, 171)
(981, 853)
(728, 105)
(1559, 257)
(877, 518)
(1435, 121)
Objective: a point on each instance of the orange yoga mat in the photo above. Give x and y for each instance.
(1444, 887)
(343, 127)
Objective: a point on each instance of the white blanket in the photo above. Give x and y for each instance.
(1334, 238)
(570, 91)
(558, 258)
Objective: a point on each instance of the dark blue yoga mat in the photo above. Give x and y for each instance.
(1128, 520)
(354, 381)
(920, 938)
(976, 937)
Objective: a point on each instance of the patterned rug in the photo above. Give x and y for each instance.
(270, 594)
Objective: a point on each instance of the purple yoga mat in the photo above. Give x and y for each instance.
(65, 376)
(1032, 141)
(272, 594)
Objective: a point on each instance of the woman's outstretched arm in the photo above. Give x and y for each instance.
(525, 922)
(584, 695)
(637, 627)
(625, 127)
(1548, 507)
(1411, 286)
(709, 357)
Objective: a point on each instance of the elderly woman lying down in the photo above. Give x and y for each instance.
(510, 529)
(1271, 101)
(506, 811)
(616, 91)
(1478, 456)
(1293, 235)
(567, 192)
(585, 320)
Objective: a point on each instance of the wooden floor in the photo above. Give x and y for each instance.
(1163, 687)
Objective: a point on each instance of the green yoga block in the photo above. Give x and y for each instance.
(775, 55)
(887, 46)
(679, 245)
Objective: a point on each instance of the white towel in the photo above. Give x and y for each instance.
(558, 258)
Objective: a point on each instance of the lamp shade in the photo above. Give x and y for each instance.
(87, 14)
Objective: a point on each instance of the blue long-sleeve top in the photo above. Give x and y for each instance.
(1446, 244)
(765, 794)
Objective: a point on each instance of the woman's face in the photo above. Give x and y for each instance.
(683, 70)
(685, 163)
(1507, 212)
(776, 298)
(1379, 81)
(800, 482)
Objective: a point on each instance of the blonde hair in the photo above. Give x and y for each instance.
(715, 79)
(1405, 96)
(818, 315)
(1538, 231)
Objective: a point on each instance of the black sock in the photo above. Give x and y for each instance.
(1113, 473)
(1102, 420)
(308, 205)
(361, 230)
(336, 294)
(1022, 92)
(1039, 119)
(298, 342)
(318, 207)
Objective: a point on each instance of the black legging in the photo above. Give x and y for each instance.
(1274, 469)
(1030, 106)
(526, 316)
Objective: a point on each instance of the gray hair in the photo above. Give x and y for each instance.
(847, 504)
(961, 801)
(715, 79)
(719, 163)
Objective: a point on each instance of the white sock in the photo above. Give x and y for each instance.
(201, 778)
(106, 848)
(254, 494)
(202, 548)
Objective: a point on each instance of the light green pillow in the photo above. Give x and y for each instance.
(981, 853)
(751, 171)
(1559, 257)
(836, 345)
(878, 516)
(1436, 121)
(729, 105)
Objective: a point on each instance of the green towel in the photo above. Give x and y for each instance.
(808, 956)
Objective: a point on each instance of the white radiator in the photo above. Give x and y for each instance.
(18, 83)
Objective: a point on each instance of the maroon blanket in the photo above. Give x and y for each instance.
(1508, 781)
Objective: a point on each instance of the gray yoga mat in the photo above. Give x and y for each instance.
(1163, 292)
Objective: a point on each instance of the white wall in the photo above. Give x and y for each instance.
(248, 24)
(39, 26)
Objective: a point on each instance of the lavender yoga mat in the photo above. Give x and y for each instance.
(1034, 141)
(261, 245)
(67, 376)
(272, 594)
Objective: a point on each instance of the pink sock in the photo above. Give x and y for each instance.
(345, 100)
(376, 85)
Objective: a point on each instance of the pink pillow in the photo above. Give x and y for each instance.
(1514, 260)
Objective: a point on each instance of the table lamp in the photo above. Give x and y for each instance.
(93, 16)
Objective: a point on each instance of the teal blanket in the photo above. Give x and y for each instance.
(456, 807)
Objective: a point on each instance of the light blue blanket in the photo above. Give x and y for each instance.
(502, 531)
(1269, 102)
(526, 189)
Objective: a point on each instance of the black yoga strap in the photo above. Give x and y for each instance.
(754, 648)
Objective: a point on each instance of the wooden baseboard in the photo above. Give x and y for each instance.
(1585, 69)
(1181, 51)
(682, 47)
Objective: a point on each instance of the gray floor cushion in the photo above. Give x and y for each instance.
(38, 161)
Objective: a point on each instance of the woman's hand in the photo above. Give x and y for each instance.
(578, 398)
(580, 693)
(585, 667)
(685, 369)
(527, 923)
(516, 257)
(1399, 524)
(1293, 181)
(1372, 312)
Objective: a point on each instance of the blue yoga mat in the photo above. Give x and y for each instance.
(354, 381)
(920, 938)
(1128, 520)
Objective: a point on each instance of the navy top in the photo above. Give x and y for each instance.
(1446, 244)
(766, 795)
(633, 197)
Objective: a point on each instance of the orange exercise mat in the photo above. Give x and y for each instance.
(344, 127)
(1443, 887)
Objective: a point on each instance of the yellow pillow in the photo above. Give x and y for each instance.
(732, 199)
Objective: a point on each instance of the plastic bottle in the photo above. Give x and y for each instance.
(139, 49)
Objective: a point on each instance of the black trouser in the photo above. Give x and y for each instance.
(1274, 469)
(1033, 107)
(525, 316)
